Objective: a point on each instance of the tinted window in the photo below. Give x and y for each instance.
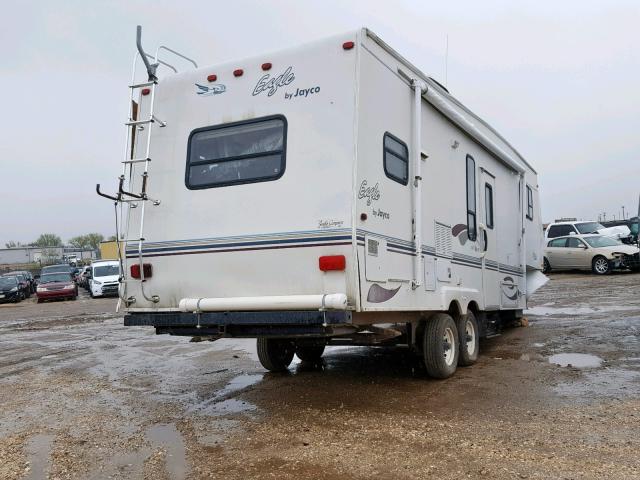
(471, 198)
(55, 277)
(488, 205)
(529, 203)
(589, 227)
(106, 270)
(558, 242)
(8, 282)
(235, 153)
(56, 268)
(560, 230)
(575, 243)
(396, 159)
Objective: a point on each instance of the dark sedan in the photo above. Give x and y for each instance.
(10, 290)
(56, 285)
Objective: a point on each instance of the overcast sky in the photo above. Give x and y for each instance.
(560, 80)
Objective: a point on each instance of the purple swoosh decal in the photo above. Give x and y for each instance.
(378, 294)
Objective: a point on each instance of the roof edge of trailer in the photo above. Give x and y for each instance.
(459, 114)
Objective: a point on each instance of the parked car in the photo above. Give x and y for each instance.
(23, 283)
(10, 290)
(104, 278)
(560, 229)
(597, 253)
(82, 279)
(28, 276)
(56, 285)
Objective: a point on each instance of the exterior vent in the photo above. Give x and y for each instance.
(444, 245)
(372, 247)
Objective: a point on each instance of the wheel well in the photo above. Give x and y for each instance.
(454, 310)
(473, 306)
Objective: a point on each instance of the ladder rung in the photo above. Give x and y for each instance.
(140, 122)
(144, 84)
(137, 160)
(148, 120)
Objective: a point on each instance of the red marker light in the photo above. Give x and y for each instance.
(146, 91)
(135, 270)
(238, 72)
(266, 66)
(332, 262)
(212, 77)
(348, 45)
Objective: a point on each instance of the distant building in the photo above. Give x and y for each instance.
(44, 255)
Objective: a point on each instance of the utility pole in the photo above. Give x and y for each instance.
(604, 216)
(623, 217)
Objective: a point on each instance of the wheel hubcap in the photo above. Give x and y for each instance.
(601, 265)
(449, 346)
(470, 332)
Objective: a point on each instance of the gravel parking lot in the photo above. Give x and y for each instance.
(82, 397)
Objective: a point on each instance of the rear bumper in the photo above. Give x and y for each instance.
(305, 323)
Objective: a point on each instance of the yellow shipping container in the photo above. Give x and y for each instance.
(109, 250)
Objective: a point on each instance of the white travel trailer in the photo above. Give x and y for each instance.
(329, 194)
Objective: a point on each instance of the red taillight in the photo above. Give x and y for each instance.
(238, 72)
(332, 262)
(348, 45)
(266, 66)
(146, 91)
(135, 270)
(212, 77)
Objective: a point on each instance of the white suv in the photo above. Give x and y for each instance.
(104, 278)
(560, 229)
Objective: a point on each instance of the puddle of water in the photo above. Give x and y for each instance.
(238, 383)
(545, 310)
(38, 448)
(168, 437)
(578, 360)
(218, 405)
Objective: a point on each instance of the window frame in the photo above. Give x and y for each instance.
(471, 235)
(488, 188)
(529, 203)
(220, 126)
(557, 239)
(578, 240)
(391, 152)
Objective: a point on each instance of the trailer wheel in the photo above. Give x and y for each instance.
(600, 265)
(469, 339)
(275, 354)
(309, 353)
(440, 348)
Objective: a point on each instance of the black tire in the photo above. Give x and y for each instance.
(309, 353)
(546, 266)
(468, 335)
(600, 265)
(275, 354)
(440, 348)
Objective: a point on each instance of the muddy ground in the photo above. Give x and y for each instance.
(82, 397)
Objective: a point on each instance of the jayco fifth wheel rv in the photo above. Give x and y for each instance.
(329, 194)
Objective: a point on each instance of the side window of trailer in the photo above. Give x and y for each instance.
(529, 203)
(471, 198)
(488, 200)
(236, 153)
(396, 159)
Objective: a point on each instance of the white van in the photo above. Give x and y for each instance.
(104, 278)
(330, 193)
